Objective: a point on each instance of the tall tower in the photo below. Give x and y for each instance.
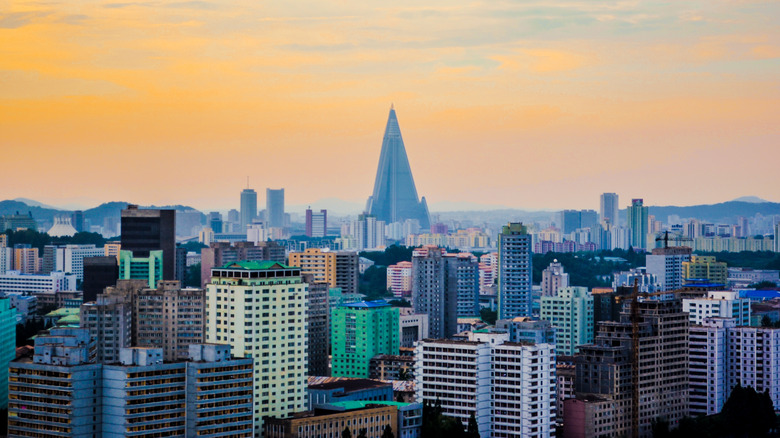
(638, 223)
(274, 207)
(609, 208)
(248, 207)
(395, 196)
(514, 271)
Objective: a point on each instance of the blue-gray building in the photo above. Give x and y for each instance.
(62, 392)
(524, 329)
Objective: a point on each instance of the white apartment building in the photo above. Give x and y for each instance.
(70, 258)
(708, 366)
(722, 304)
(509, 387)
(16, 282)
(722, 355)
(259, 308)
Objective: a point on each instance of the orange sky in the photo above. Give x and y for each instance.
(533, 104)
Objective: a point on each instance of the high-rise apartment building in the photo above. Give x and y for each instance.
(491, 378)
(399, 278)
(572, 220)
(337, 268)
(369, 232)
(666, 264)
(570, 311)
(395, 196)
(724, 355)
(58, 393)
(109, 321)
(514, 271)
(522, 329)
(435, 288)
(145, 231)
(608, 210)
(553, 279)
(169, 317)
(7, 347)
(62, 392)
(638, 222)
(220, 253)
(248, 208)
(316, 223)
(607, 370)
(274, 208)
(318, 327)
(361, 331)
(26, 259)
(259, 308)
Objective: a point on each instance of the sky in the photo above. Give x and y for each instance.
(526, 104)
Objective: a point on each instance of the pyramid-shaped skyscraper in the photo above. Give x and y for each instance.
(395, 196)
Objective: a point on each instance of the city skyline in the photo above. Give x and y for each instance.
(534, 106)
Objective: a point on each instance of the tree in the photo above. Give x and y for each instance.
(766, 321)
(346, 433)
(388, 432)
(363, 433)
(488, 316)
(405, 374)
(192, 277)
(472, 431)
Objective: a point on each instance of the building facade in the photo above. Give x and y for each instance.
(666, 264)
(570, 311)
(259, 309)
(514, 272)
(361, 331)
(145, 231)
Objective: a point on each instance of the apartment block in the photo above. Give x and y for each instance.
(337, 268)
(721, 304)
(666, 264)
(109, 322)
(318, 327)
(7, 349)
(221, 253)
(361, 331)
(169, 317)
(259, 308)
(514, 271)
(570, 311)
(706, 267)
(508, 387)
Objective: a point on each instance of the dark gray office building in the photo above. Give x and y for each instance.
(151, 230)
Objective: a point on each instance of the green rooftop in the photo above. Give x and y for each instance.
(360, 404)
(64, 311)
(69, 320)
(255, 265)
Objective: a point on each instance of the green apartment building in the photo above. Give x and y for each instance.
(361, 331)
(141, 268)
(570, 311)
(7, 347)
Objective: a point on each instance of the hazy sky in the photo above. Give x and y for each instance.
(529, 104)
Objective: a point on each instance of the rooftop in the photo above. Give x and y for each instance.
(359, 404)
(255, 265)
(368, 304)
(348, 385)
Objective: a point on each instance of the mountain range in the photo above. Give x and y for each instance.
(724, 212)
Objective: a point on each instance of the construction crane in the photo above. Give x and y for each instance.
(664, 237)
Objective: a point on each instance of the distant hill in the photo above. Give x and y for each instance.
(95, 215)
(724, 212)
(753, 199)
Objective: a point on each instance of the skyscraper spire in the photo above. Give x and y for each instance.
(395, 195)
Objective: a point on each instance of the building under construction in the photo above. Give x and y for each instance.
(635, 372)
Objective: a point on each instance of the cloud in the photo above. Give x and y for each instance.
(15, 20)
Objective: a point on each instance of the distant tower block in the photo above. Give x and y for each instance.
(395, 196)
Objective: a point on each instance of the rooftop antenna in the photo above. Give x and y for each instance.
(391, 105)
(247, 181)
